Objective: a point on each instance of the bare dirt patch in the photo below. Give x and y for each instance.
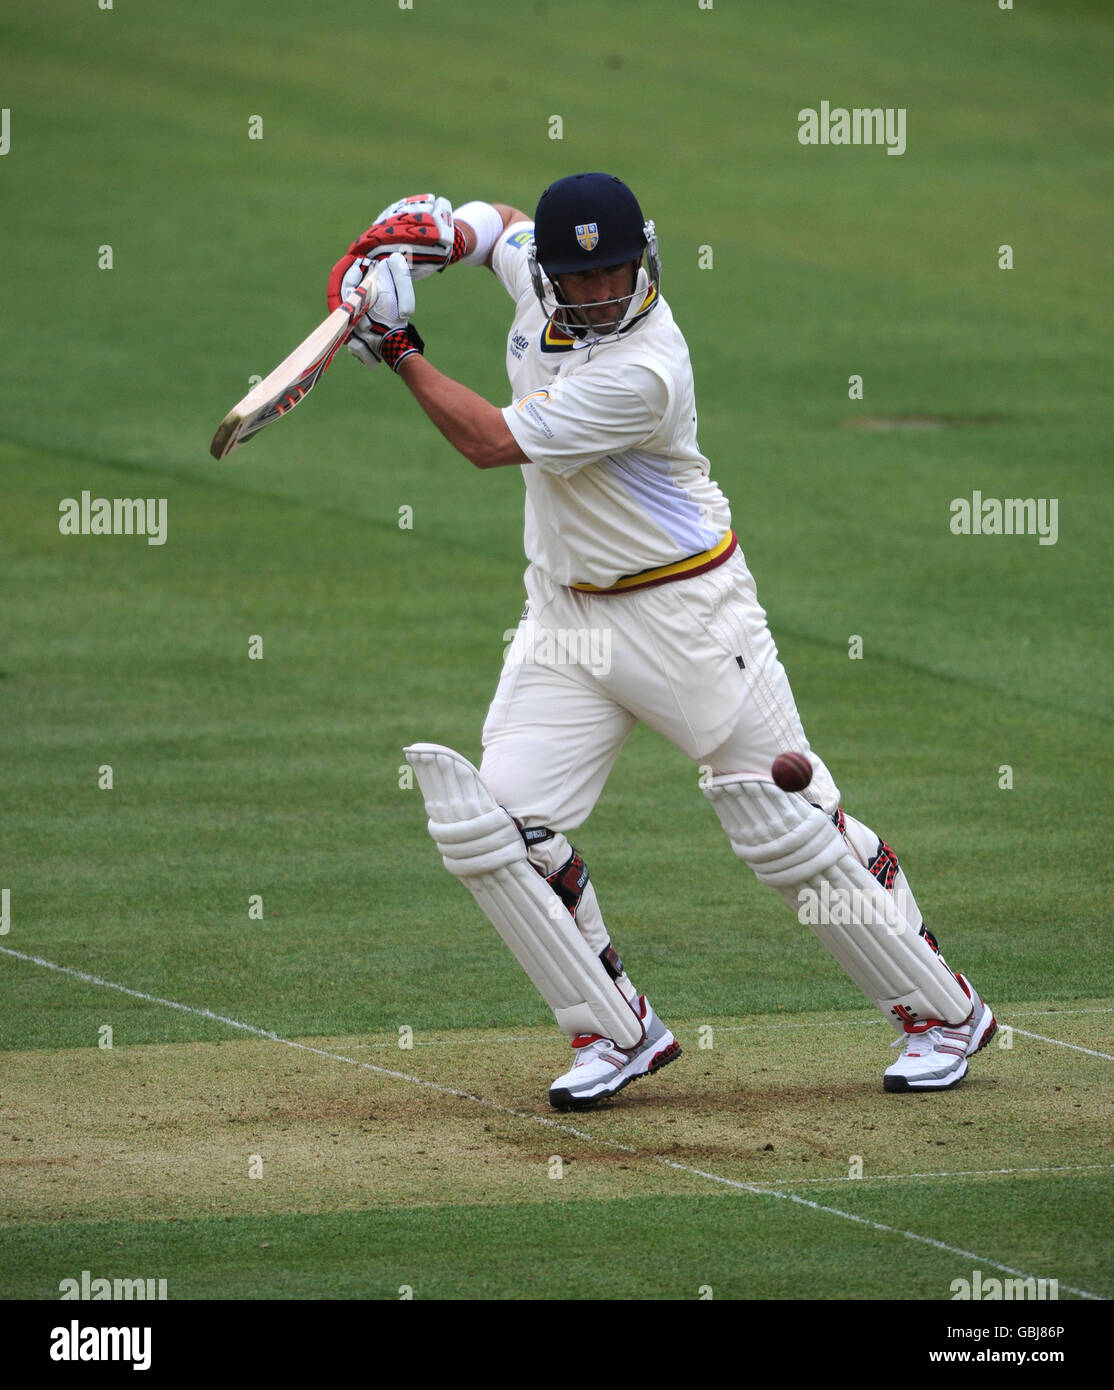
(178, 1130)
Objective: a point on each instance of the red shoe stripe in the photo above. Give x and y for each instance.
(924, 1025)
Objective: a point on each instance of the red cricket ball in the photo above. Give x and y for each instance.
(792, 771)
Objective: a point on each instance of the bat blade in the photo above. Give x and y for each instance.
(296, 375)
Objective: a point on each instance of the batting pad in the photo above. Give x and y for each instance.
(794, 847)
(480, 844)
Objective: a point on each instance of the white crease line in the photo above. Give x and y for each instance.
(865, 1221)
(959, 1173)
(1075, 1047)
(1039, 1013)
(539, 1119)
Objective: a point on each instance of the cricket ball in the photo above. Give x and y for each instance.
(792, 771)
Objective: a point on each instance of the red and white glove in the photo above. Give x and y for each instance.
(421, 227)
(384, 333)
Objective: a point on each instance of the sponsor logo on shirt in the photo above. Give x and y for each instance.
(519, 344)
(521, 238)
(527, 406)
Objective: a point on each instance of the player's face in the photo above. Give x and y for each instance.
(593, 288)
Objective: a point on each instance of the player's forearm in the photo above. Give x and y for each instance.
(473, 426)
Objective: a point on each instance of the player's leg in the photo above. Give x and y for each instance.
(935, 1051)
(800, 843)
(550, 741)
(603, 1061)
(841, 878)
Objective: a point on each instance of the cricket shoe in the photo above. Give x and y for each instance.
(935, 1057)
(601, 1069)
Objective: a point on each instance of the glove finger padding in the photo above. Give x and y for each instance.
(394, 301)
(421, 227)
(416, 202)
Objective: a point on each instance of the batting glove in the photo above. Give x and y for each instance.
(421, 227)
(384, 333)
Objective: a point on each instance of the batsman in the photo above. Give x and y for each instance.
(627, 536)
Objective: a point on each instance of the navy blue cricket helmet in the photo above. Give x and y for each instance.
(588, 222)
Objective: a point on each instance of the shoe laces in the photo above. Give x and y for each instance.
(593, 1049)
(930, 1036)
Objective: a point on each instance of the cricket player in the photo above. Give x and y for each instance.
(640, 606)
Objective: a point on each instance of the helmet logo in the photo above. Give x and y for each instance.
(587, 234)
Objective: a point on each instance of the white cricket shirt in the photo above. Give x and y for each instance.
(616, 482)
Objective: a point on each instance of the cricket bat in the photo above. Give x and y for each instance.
(295, 376)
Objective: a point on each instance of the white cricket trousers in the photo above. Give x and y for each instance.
(693, 659)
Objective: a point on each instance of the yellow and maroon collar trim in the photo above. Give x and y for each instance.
(555, 339)
(666, 574)
(647, 303)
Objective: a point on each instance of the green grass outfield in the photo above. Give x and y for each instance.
(280, 777)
